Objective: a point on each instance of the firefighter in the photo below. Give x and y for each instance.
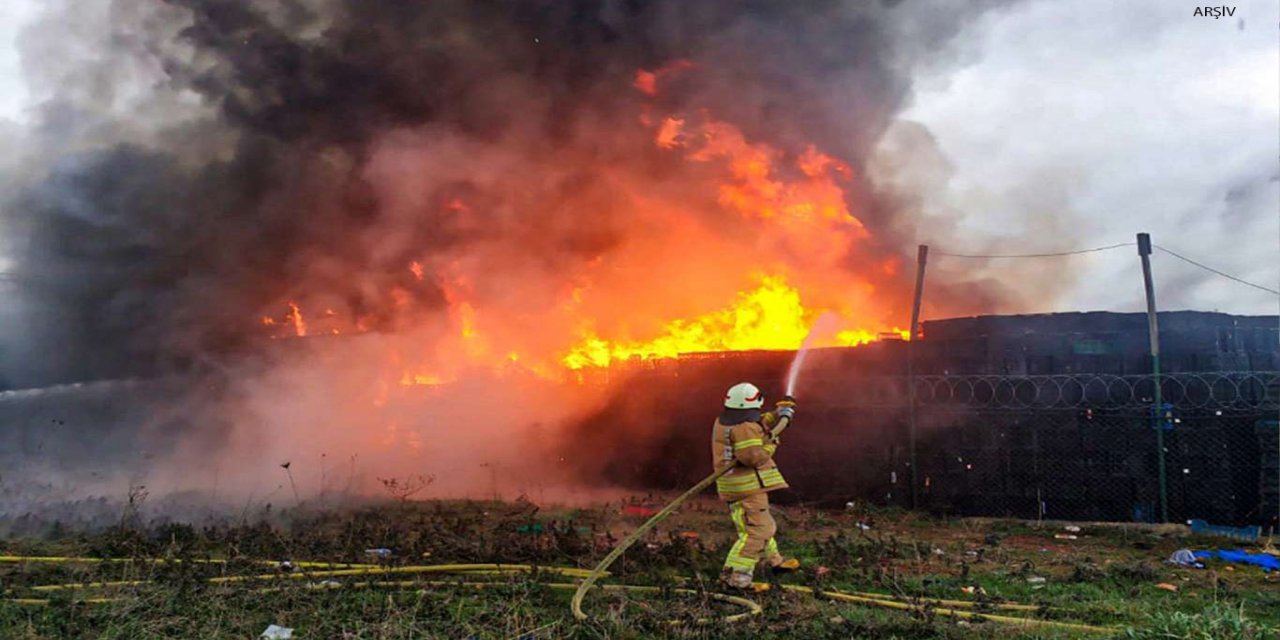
(742, 439)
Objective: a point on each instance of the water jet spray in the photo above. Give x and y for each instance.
(827, 322)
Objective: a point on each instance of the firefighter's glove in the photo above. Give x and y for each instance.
(786, 408)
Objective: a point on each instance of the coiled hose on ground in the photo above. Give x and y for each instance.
(377, 573)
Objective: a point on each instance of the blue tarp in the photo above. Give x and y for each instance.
(1246, 534)
(1267, 562)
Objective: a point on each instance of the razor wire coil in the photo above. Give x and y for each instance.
(1225, 391)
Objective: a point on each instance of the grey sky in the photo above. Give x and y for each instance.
(14, 14)
(1073, 124)
(1131, 116)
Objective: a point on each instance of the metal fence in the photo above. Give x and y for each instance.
(1081, 447)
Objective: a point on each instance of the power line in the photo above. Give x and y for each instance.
(1208, 268)
(1039, 255)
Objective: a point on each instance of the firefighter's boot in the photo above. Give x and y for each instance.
(785, 566)
(738, 580)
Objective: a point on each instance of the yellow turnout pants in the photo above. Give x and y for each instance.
(756, 529)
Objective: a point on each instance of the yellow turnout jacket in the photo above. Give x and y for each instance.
(749, 450)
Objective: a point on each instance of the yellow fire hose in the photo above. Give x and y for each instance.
(91, 560)
(626, 543)
(751, 608)
(652, 522)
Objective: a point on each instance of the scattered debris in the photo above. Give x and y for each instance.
(276, 632)
(821, 571)
(639, 510)
(284, 566)
(380, 552)
(1185, 558)
(974, 590)
(1066, 536)
(939, 552)
(1167, 587)
(864, 526)
(689, 535)
(1072, 528)
(1035, 579)
(836, 619)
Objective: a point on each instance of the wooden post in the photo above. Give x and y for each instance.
(922, 257)
(1153, 330)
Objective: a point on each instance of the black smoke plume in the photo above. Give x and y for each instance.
(154, 239)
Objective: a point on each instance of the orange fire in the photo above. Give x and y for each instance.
(768, 317)
(646, 81)
(768, 241)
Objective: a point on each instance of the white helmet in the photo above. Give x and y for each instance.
(744, 395)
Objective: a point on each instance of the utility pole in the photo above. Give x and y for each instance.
(1153, 329)
(922, 256)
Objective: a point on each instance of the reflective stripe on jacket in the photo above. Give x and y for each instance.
(749, 450)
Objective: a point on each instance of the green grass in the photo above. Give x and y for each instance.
(1105, 578)
(1217, 622)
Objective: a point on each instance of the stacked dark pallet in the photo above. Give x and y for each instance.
(1212, 468)
(988, 442)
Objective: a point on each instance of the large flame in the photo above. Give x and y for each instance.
(769, 317)
(784, 249)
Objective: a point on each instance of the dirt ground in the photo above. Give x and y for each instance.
(226, 585)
